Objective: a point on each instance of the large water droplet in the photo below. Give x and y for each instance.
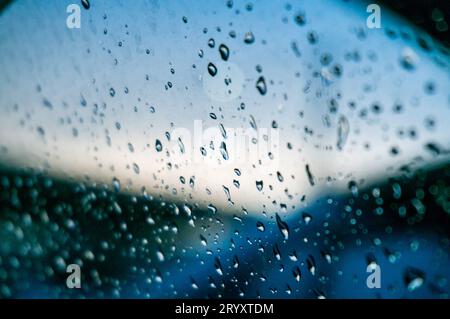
(212, 69)
(342, 132)
(224, 52)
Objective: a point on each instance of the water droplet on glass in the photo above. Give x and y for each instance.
(224, 52)
(86, 4)
(218, 266)
(307, 218)
(223, 151)
(311, 264)
(414, 278)
(342, 132)
(116, 185)
(249, 38)
(310, 175)
(261, 85)
(260, 226)
(158, 145)
(297, 273)
(283, 227)
(259, 185)
(212, 70)
(203, 241)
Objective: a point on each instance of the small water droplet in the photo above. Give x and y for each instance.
(223, 151)
(260, 226)
(311, 264)
(261, 85)
(116, 185)
(307, 218)
(86, 4)
(310, 175)
(342, 132)
(212, 70)
(224, 52)
(282, 226)
(158, 145)
(249, 38)
(259, 185)
(203, 241)
(414, 278)
(296, 272)
(218, 266)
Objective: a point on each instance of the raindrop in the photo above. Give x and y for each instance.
(276, 252)
(259, 185)
(353, 187)
(136, 168)
(181, 145)
(409, 59)
(297, 273)
(413, 278)
(227, 194)
(249, 38)
(158, 145)
(282, 226)
(212, 70)
(280, 177)
(300, 19)
(310, 175)
(261, 85)
(260, 226)
(130, 147)
(311, 264)
(342, 132)
(307, 218)
(86, 4)
(224, 52)
(223, 151)
(211, 43)
(116, 185)
(218, 266)
(160, 255)
(327, 256)
(235, 262)
(203, 241)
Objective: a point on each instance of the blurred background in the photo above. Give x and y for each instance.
(344, 161)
